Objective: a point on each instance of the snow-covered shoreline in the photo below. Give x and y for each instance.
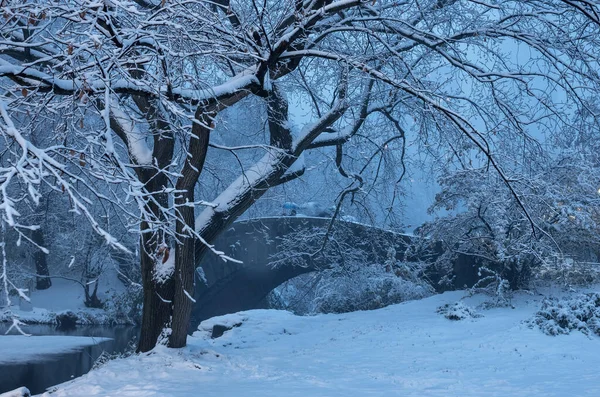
(64, 298)
(44, 316)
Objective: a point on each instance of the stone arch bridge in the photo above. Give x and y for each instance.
(274, 250)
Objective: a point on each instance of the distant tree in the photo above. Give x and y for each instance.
(560, 189)
(133, 89)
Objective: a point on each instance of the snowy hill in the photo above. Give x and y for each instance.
(406, 350)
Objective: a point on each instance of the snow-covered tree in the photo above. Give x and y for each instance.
(132, 90)
(560, 189)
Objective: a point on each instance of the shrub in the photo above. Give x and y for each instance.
(457, 311)
(493, 284)
(561, 316)
(125, 307)
(350, 288)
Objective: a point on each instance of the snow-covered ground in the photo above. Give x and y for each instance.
(63, 295)
(405, 350)
(18, 348)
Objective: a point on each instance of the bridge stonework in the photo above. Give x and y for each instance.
(274, 250)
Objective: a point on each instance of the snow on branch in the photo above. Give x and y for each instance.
(31, 167)
(136, 141)
(62, 86)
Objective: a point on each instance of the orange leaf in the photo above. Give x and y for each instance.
(165, 256)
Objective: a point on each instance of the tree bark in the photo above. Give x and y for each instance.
(43, 281)
(185, 261)
(183, 280)
(158, 296)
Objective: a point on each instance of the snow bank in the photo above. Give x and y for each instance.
(20, 392)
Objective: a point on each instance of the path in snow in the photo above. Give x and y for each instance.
(403, 350)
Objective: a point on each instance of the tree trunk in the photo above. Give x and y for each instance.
(157, 296)
(92, 300)
(43, 280)
(185, 262)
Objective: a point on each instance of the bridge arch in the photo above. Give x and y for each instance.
(227, 287)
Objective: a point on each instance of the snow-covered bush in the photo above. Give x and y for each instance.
(347, 289)
(457, 311)
(125, 307)
(364, 288)
(493, 284)
(561, 316)
(354, 271)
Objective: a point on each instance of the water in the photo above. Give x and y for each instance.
(51, 369)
